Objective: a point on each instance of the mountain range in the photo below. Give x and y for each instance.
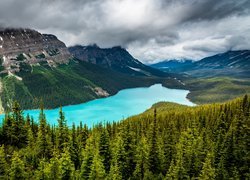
(231, 63)
(37, 67)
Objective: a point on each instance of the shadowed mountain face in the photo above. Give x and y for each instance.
(115, 58)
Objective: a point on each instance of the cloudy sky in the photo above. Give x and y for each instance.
(151, 30)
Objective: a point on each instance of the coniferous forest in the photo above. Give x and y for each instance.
(204, 142)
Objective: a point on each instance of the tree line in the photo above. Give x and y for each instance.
(204, 142)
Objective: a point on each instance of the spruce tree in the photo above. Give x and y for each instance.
(66, 166)
(97, 170)
(104, 149)
(43, 139)
(42, 171)
(141, 159)
(87, 159)
(54, 172)
(62, 134)
(17, 168)
(153, 151)
(3, 164)
(114, 173)
(208, 171)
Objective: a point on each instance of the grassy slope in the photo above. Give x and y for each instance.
(69, 84)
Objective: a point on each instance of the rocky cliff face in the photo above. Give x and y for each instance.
(115, 58)
(22, 47)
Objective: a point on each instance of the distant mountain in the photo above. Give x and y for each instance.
(116, 58)
(230, 59)
(231, 63)
(172, 65)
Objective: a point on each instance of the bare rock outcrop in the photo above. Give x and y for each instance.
(22, 47)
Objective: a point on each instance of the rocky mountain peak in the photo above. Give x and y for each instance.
(19, 47)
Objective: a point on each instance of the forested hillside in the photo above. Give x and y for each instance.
(72, 83)
(167, 142)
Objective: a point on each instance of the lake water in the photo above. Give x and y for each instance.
(125, 103)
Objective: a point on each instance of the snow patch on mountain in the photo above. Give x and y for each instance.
(135, 69)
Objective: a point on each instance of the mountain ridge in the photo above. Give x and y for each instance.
(230, 63)
(116, 58)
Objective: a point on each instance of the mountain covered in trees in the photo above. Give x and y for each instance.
(169, 141)
(35, 67)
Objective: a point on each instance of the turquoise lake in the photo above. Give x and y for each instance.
(125, 103)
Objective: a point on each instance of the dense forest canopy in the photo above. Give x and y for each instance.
(178, 142)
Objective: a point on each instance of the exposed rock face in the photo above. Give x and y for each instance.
(22, 47)
(115, 58)
(108, 57)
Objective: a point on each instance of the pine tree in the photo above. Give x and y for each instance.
(153, 151)
(66, 166)
(43, 139)
(19, 133)
(142, 163)
(74, 148)
(42, 171)
(7, 130)
(208, 171)
(3, 164)
(62, 134)
(114, 173)
(54, 168)
(104, 149)
(87, 159)
(17, 168)
(97, 170)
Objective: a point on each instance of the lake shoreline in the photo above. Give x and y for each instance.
(125, 103)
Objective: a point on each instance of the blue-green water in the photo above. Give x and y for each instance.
(125, 103)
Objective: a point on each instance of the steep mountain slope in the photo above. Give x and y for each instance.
(115, 58)
(37, 67)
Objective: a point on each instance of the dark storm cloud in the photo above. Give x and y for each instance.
(150, 29)
(216, 9)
